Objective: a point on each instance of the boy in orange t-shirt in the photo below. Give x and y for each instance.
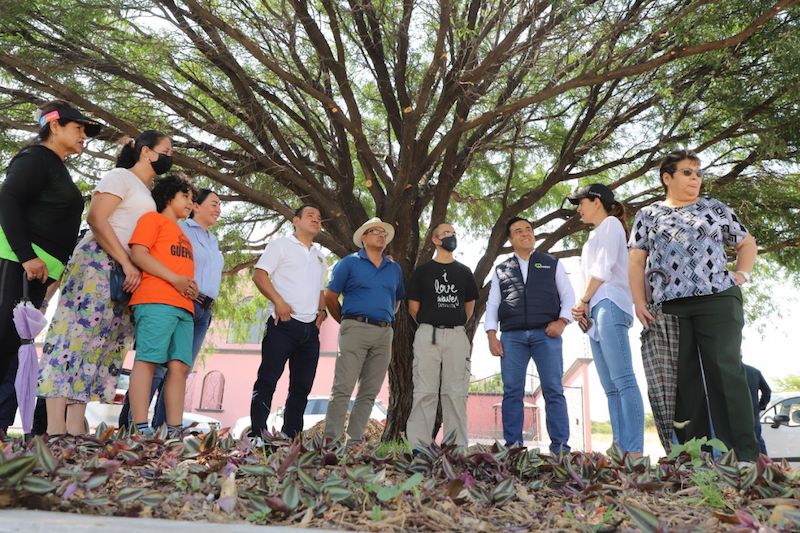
(162, 304)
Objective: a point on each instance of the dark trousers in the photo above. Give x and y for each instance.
(711, 331)
(10, 295)
(298, 343)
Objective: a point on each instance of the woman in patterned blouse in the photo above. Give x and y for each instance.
(684, 238)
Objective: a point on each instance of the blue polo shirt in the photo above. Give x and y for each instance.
(368, 291)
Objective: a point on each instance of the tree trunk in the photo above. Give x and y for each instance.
(401, 384)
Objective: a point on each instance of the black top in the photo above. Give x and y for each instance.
(442, 289)
(39, 203)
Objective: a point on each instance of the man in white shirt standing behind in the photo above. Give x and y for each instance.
(531, 298)
(291, 274)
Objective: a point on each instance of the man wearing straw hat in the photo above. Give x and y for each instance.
(372, 286)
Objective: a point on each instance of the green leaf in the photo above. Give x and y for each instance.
(309, 482)
(37, 485)
(45, 459)
(644, 519)
(152, 499)
(13, 471)
(504, 491)
(129, 494)
(191, 447)
(412, 482)
(257, 470)
(291, 496)
(95, 481)
(338, 494)
(388, 492)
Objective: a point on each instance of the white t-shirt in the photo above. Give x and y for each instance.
(298, 274)
(605, 257)
(136, 201)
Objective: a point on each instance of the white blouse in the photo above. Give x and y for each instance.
(605, 257)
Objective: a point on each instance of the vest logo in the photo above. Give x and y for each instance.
(540, 265)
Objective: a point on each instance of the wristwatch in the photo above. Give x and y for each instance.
(745, 275)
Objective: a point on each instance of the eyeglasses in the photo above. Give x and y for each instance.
(375, 231)
(689, 171)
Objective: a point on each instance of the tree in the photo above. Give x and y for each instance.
(787, 384)
(470, 111)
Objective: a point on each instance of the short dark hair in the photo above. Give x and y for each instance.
(513, 221)
(670, 163)
(437, 226)
(299, 211)
(166, 188)
(200, 197)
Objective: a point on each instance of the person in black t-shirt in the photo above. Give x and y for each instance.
(441, 298)
(40, 213)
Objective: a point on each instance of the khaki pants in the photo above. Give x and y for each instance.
(445, 364)
(364, 354)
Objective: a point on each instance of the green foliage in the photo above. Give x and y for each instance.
(490, 384)
(787, 383)
(694, 449)
(601, 427)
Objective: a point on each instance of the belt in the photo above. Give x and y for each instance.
(204, 301)
(367, 320)
(434, 328)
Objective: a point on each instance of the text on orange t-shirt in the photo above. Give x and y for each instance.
(171, 247)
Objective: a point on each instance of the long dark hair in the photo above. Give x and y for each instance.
(617, 210)
(130, 153)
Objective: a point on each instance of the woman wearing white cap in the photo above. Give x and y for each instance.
(607, 300)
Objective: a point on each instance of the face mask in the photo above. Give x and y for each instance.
(162, 164)
(449, 243)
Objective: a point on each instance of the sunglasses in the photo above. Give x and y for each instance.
(375, 231)
(689, 171)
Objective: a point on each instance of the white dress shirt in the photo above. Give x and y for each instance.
(297, 272)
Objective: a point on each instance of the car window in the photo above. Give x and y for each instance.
(316, 407)
(791, 407)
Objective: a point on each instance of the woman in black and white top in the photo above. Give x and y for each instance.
(684, 238)
(607, 300)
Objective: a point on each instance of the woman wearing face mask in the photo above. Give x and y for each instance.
(607, 299)
(40, 213)
(90, 332)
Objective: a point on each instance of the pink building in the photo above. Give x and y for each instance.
(222, 382)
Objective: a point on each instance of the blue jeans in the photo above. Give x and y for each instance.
(518, 348)
(202, 319)
(612, 358)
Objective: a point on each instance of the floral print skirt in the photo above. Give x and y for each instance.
(90, 334)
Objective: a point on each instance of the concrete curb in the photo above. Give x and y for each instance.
(25, 521)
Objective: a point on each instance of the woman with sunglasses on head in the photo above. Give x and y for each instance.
(40, 213)
(684, 238)
(91, 333)
(607, 301)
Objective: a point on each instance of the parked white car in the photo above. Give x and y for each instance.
(97, 412)
(780, 426)
(315, 411)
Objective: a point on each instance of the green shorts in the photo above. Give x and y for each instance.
(163, 333)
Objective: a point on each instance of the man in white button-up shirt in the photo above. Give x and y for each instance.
(291, 274)
(530, 297)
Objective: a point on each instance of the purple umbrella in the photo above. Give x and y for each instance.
(29, 322)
